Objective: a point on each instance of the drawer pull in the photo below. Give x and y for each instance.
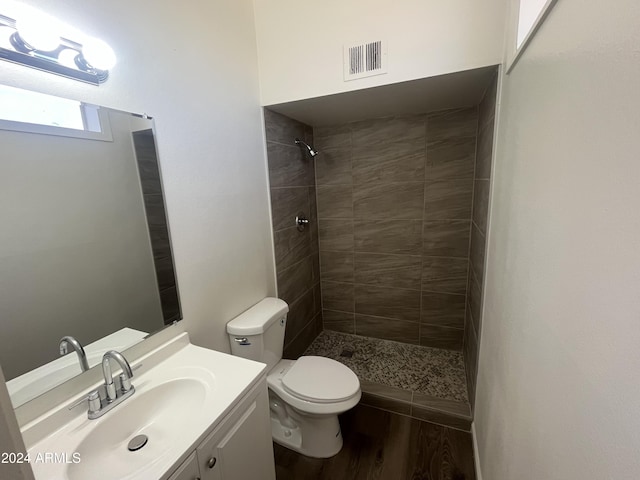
(212, 462)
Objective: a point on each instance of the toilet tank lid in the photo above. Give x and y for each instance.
(258, 318)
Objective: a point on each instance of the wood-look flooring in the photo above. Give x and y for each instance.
(382, 445)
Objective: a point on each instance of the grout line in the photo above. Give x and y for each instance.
(353, 206)
(479, 229)
(378, 253)
(387, 397)
(338, 311)
(473, 199)
(443, 293)
(289, 187)
(424, 212)
(393, 254)
(379, 183)
(310, 289)
(292, 144)
(473, 329)
(302, 330)
(296, 264)
(286, 228)
(341, 283)
(413, 400)
(442, 326)
(419, 419)
(474, 277)
(386, 318)
(444, 411)
(368, 218)
(372, 218)
(387, 287)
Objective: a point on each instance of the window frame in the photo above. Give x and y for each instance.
(95, 120)
(513, 51)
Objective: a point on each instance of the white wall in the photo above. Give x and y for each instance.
(300, 44)
(558, 389)
(194, 69)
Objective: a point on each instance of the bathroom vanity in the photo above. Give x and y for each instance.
(204, 415)
(231, 451)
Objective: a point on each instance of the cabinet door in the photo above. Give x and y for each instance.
(244, 451)
(188, 470)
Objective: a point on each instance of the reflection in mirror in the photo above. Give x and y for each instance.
(84, 248)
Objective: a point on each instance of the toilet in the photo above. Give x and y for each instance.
(305, 395)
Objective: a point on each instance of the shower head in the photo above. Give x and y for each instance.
(312, 151)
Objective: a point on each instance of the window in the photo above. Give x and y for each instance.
(27, 111)
(526, 17)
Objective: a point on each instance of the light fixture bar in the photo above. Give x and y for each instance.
(24, 54)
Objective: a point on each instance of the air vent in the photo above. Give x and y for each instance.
(365, 60)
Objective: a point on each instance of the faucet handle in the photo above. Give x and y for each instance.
(94, 401)
(125, 380)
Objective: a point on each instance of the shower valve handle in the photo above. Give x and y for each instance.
(301, 221)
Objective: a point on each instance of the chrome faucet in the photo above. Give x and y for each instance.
(108, 396)
(125, 376)
(77, 346)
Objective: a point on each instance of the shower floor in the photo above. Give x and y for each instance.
(425, 383)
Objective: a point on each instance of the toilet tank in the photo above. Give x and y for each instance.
(258, 333)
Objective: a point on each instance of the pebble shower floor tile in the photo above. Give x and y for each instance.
(431, 371)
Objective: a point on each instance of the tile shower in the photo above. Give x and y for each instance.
(392, 262)
(394, 225)
(292, 190)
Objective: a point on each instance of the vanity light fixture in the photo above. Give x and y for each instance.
(36, 41)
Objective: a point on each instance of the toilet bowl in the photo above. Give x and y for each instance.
(305, 395)
(313, 391)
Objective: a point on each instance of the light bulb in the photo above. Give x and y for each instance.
(67, 57)
(39, 32)
(5, 33)
(98, 54)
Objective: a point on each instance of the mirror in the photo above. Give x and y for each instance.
(84, 245)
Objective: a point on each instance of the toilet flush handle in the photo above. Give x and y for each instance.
(242, 341)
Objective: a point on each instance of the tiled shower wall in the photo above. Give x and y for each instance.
(394, 209)
(147, 159)
(292, 182)
(473, 320)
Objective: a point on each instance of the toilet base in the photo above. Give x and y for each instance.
(317, 436)
(285, 436)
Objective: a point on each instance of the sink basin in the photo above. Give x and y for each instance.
(179, 397)
(151, 413)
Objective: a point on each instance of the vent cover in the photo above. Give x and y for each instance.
(365, 60)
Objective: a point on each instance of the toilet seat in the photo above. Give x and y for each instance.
(321, 380)
(326, 407)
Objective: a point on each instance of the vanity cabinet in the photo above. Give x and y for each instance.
(188, 470)
(238, 448)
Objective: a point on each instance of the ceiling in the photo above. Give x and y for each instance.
(460, 89)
